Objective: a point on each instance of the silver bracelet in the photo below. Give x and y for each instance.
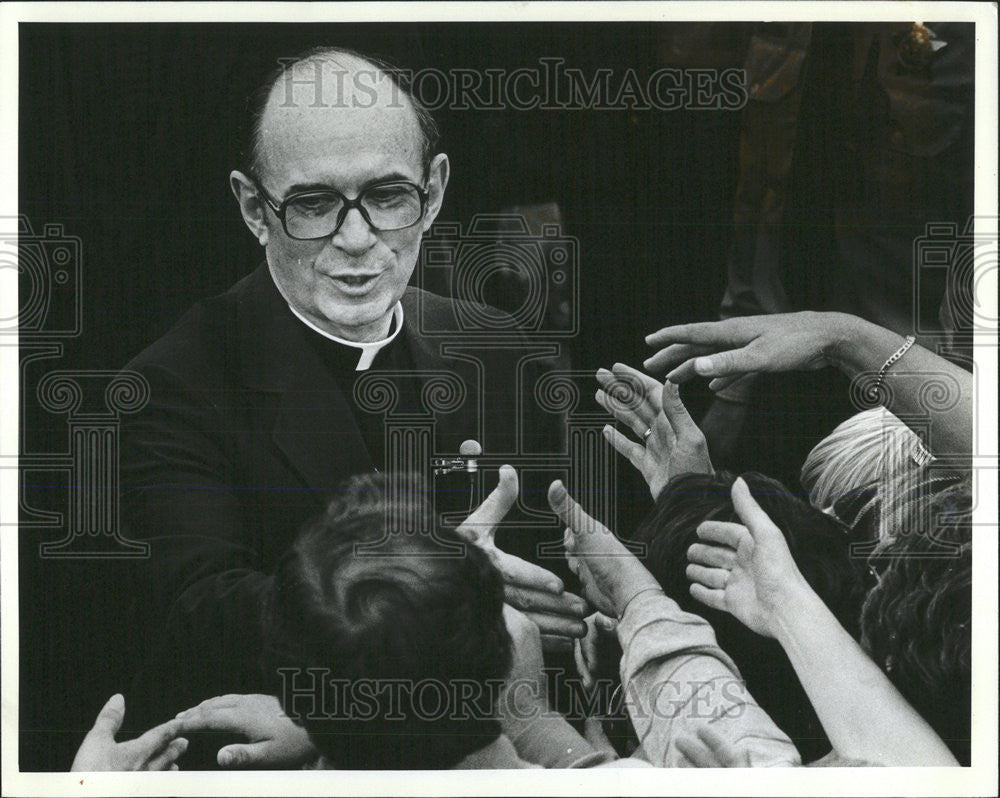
(895, 356)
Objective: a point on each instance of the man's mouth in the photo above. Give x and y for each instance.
(355, 283)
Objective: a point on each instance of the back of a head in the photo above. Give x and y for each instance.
(392, 632)
(863, 461)
(916, 622)
(821, 549)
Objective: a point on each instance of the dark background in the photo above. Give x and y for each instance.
(127, 136)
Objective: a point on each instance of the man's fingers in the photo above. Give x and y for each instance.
(521, 573)
(716, 599)
(724, 532)
(109, 719)
(558, 625)
(494, 507)
(712, 556)
(165, 759)
(749, 511)
(528, 600)
(714, 578)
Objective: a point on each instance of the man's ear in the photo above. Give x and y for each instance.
(251, 205)
(437, 181)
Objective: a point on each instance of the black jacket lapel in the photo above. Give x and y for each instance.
(314, 427)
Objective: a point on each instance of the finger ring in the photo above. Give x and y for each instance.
(646, 434)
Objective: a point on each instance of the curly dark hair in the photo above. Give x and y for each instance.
(820, 546)
(378, 626)
(916, 622)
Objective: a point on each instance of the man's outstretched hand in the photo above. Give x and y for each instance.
(538, 593)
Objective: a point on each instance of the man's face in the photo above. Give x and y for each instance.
(348, 282)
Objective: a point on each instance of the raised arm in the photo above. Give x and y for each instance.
(920, 385)
(675, 677)
(749, 572)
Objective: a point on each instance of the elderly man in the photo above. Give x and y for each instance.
(254, 416)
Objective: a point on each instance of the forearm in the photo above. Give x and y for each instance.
(862, 713)
(676, 677)
(921, 385)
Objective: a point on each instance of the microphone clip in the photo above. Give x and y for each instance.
(444, 465)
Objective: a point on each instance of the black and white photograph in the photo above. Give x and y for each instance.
(421, 391)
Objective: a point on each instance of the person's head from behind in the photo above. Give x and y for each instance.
(916, 621)
(326, 128)
(395, 631)
(821, 548)
(863, 462)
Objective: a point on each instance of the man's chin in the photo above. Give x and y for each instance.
(362, 320)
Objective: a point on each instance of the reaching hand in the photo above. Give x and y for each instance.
(274, 741)
(726, 350)
(674, 444)
(157, 749)
(538, 593)
(610, 574)
(712, 750)
(746, 571)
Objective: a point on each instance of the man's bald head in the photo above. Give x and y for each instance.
(328, 80)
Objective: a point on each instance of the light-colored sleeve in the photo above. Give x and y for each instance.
(676, 678)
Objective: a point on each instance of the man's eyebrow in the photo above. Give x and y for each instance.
(391, 177)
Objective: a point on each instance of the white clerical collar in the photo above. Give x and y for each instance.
(368, 349)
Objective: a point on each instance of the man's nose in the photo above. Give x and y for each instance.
(355, 235)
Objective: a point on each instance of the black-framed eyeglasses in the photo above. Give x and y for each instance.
(308, 215)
